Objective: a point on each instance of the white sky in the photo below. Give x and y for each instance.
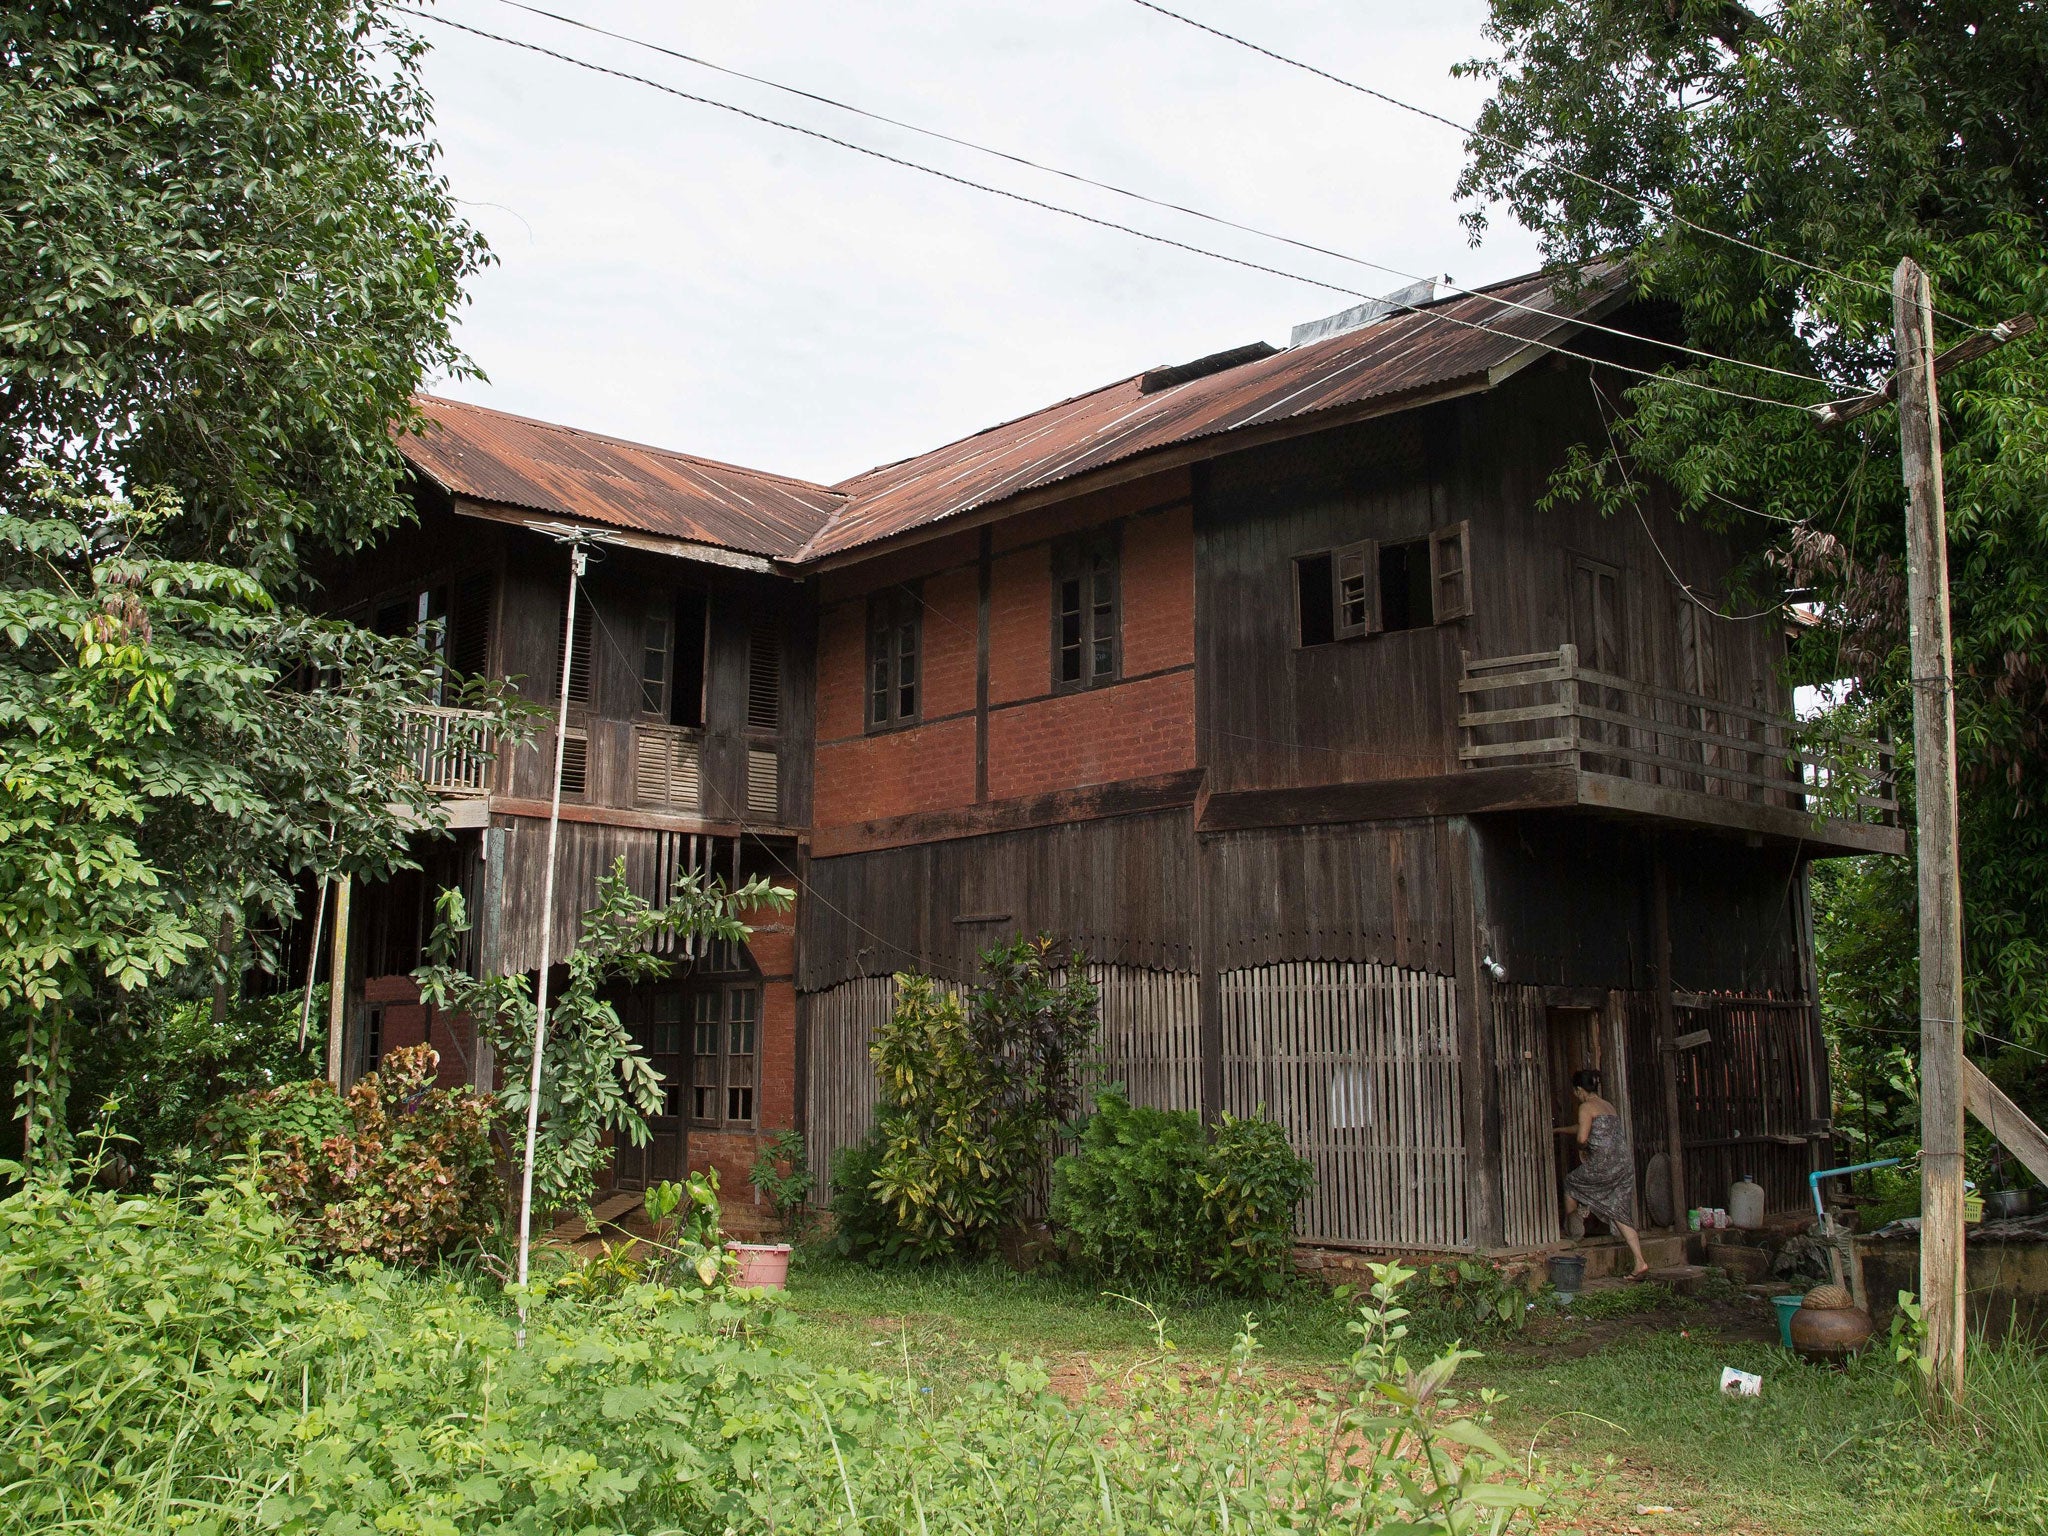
(671, 273)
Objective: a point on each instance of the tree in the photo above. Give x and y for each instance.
(176, 746)
(227, 261)
(1837, 138)
(594, 1080)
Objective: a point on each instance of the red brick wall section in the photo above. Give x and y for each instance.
(893, 772)
(1098, 737)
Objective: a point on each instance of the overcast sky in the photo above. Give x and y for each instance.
(674, 274)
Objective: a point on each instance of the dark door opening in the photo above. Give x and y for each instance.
(656, 1020)
(1574, 1039)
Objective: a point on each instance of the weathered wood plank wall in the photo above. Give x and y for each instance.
(1521, 1047)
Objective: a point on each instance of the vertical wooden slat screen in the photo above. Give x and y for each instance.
(1359, 1063)
(1528, 1149)
(1149, 1041)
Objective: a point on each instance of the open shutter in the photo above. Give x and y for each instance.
(1355, 575)
(1450, 571)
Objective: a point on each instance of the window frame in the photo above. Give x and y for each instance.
(1356, 607)
(661, 616)
(725, 1082)
(1076, 560)
(895, 630)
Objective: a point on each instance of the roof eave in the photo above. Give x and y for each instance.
(548, 521)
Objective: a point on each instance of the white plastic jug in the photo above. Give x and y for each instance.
(1746, 1203)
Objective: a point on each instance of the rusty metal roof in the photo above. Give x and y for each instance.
(490, 456)
(513, 461)
(1420, 350)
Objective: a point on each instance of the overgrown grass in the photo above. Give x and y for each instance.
(1841, 1451)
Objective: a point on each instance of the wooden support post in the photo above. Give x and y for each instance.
(495, 849)
(1667, 1029)
(2013, 1127)
(337, 979)
(1478, 1082)
(1209, 992)
(1934, 769)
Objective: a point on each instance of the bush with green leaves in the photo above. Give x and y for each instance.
(182, 1371)
(862, 1226)
(397, 1169)
(782, 1173)
(1153, 1192)
(974, 1090)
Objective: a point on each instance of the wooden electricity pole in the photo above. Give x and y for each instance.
(1934, 781)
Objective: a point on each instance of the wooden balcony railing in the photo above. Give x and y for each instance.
(1547, 708)
(451, 752)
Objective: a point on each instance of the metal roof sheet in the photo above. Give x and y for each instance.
(491, 456)
(1421, 349)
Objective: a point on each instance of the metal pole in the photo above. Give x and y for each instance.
(578, 559)
(1934, 778)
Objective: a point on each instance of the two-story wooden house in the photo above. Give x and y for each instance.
(1380, 797)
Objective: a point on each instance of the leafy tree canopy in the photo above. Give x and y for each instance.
(1840, 137)
(226, 260)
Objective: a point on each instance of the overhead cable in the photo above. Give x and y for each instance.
(1083, 179)
(1421, 314)
(1664, 210)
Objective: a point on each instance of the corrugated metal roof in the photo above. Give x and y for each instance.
(1422, 349)
(491, 456)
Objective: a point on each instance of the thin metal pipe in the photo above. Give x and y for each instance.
(578, 560)
(1813, 1179)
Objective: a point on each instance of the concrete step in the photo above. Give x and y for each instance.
(1609, 1256)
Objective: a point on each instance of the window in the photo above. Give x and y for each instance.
(654, 658)
(575, 762)
(893, 636)
(373, 1039)
(723, 1026)
(579, 664)
(764, 677)
(1373, 588)
(686, 673)
(1085, 645)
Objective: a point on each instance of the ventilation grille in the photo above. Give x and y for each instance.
(469, 626)
(575, 763)
(764, 793)
(667, 769)
(764, 678)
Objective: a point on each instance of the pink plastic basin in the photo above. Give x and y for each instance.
(764, 1266)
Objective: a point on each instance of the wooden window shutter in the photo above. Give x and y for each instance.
(667, 769)
(1355, 588)
(1450, 571)
(579, 665)
(764, 678)
(764, 783)
(469, 625)
(575, 763)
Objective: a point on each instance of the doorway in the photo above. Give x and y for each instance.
(1574, 1040)
(656, 1022)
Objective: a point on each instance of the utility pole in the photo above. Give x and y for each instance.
(1934, 779)
(1942, 1075)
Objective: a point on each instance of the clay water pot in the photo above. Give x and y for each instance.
(1829, 1325)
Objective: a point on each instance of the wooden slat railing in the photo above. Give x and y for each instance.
(450, 751)
(1547, 708)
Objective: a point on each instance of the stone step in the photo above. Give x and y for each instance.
(1609, 1256)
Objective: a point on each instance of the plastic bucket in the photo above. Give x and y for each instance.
(1786, 1306)
(762, 1266)
(1568, 1273)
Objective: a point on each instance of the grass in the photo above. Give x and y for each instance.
(1625, 1386)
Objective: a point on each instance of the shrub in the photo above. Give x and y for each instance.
(973, 1093)
(397, 1170)
(1152, 1192)
(862, 1227)
(789, 1192)
(187, 1374)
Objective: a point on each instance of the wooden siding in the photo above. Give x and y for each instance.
(1360, 1064)
(1377, 892)
(1117, 887)
(1528, 1148)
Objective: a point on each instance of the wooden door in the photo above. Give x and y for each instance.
(1597, 633)
(1575, 1044)
(656, 1022)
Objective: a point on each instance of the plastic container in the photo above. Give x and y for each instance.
(1786, 1306)
(762, 1266)
(1568, 1274)
(1746, 1204)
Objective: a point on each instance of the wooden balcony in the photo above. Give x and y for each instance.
(1638, 749)
(451, 750)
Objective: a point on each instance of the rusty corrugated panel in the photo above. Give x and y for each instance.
(1418, 350)
(513, 461)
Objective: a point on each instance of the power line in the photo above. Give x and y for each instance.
(1426, 315)
(1472, 132)
(1126, 192)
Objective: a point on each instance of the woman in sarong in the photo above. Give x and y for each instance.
(1604, 1183)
